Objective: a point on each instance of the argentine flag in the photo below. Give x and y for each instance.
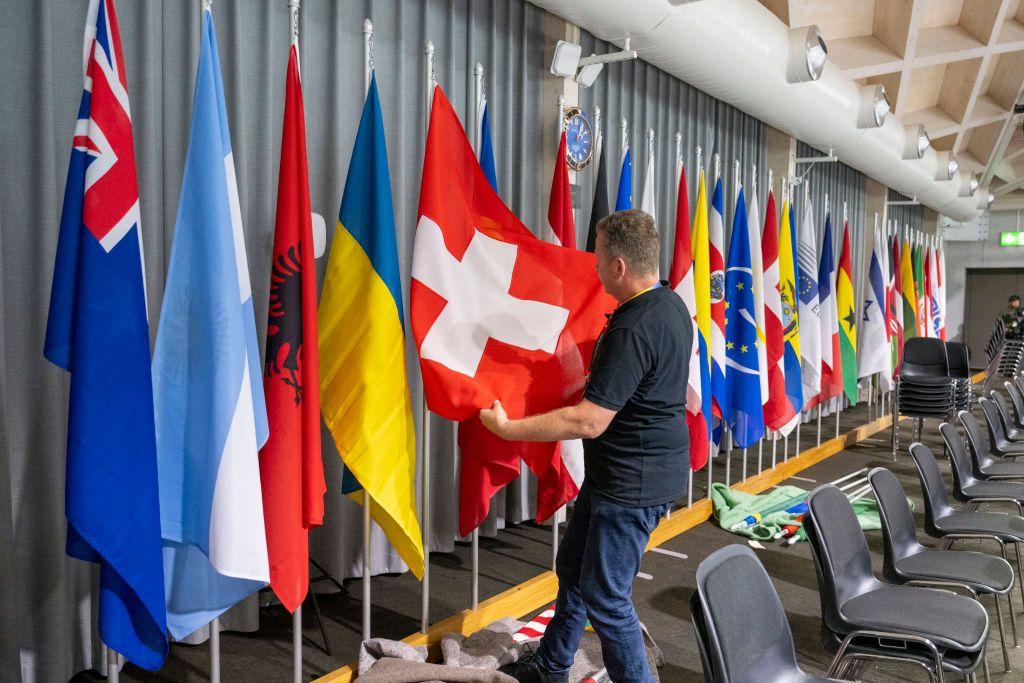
(211, 419)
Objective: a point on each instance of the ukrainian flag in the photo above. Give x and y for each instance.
(364, 395)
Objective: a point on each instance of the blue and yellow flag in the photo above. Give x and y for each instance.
(364, 395)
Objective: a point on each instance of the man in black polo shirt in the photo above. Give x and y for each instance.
(633, 425)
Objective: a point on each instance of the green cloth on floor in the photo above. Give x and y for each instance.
(732, 506)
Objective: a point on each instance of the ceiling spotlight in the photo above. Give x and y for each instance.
(589, 74)
(946, 165)
(917, 142)
(874, 106)
(566, 59)
(973, 184)
(807, 54)
(991, 198)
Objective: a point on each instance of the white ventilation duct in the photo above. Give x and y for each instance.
(738, 52)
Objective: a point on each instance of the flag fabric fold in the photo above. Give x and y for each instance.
(778, 410)
(811, 341)
(873, 352)
(742, 371)
(624, 195)
(909, 293)
(599, 208)
(701, 277)
(789, 301)
(496, 313)
(716, 266)
(364, 392)
(291, 467)
(648, 202)
(98, 331)
(681, 279)
(831, 372)
(847, 318)
(896, 304)
(211, 419)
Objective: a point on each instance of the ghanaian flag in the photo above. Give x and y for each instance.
(364, 395)
(847, 318)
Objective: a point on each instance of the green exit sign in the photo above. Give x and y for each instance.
(1011, 239)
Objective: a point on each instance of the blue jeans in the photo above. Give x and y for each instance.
(597, 561)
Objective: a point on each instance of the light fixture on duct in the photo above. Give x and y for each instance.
(991, 198)
(874, 106)
(972, 185)
(807, 54)
(566, 62)
(947, 165)
(917, 141)
(968, 184)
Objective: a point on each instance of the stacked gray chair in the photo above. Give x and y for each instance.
(958, 360)
(943, 521)
(999, 443)
(909, 562)
(995, 340)
(924, 388)
(984, 465)
(741, 628)
(869, 619)
(1011, 354)
(967, 488)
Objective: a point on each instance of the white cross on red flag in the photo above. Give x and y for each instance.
(497, 314)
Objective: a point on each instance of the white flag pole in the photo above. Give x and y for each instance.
(207, 6)
(113, 665)
(425, 440)
(367, 503)
(477, 127)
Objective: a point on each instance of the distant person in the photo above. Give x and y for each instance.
(1013, 318)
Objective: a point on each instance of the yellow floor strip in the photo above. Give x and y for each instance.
(541, 590)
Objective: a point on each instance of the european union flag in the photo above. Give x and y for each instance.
(742, 371)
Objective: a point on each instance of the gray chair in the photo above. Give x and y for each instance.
(700, 628)
(908, 562)
(999, 443)
(1013, 434)
(1017, 399)
(943, 521)
(984, 465)
(937, 630)
(746, 636)
(967, 488)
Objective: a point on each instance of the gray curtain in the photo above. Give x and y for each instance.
(49, 611)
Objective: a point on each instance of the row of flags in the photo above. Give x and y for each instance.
(195, 474)
(777, 325)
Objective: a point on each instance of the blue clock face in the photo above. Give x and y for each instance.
(579, 140)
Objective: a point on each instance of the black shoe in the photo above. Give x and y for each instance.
(526, 670)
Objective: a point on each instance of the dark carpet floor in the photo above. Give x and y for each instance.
(661, 592)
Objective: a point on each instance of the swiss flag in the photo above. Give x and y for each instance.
(496, 314)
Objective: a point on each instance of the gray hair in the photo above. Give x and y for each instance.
(632, 236)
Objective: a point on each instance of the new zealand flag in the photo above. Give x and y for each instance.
(98, 331)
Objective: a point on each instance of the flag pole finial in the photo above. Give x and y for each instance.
(718, 166)
(597, 123)
(207, 6)
(771, 178)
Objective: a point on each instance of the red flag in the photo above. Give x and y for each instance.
(896, 306)
(680, 278)
(560, 206)
(291, 470)
(778, 411)
(496, 313)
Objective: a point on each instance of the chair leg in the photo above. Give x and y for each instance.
(1013, 618)
(1002, 633)
(988, 678)
(1020, 573)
